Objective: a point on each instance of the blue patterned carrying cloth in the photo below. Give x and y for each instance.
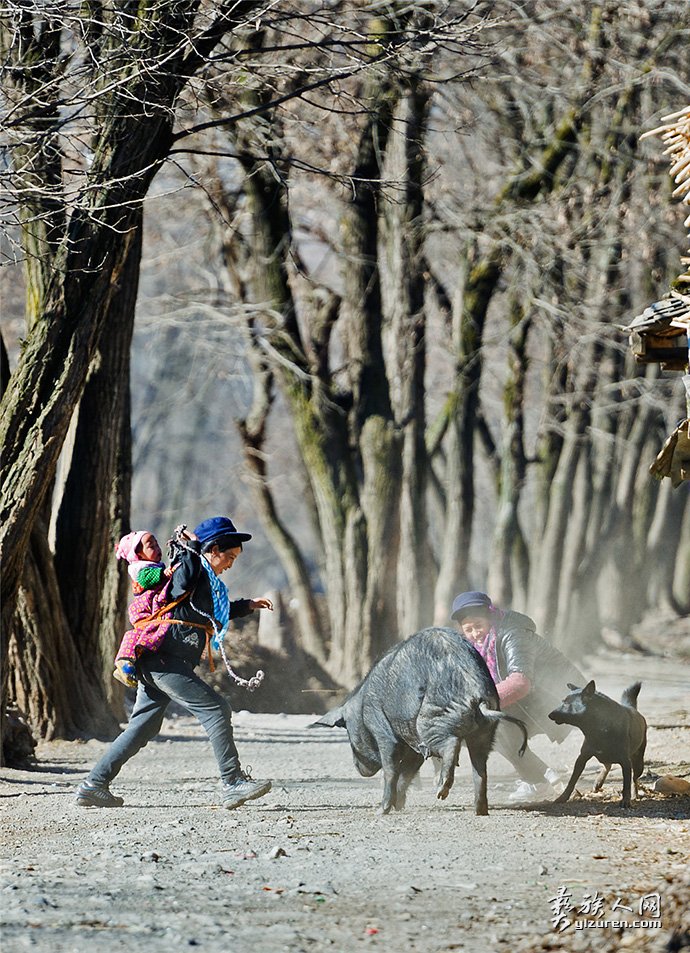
(221, 605)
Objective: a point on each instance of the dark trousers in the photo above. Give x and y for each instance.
(166, 679)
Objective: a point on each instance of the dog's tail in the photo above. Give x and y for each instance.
(492, 715)
(629, 696)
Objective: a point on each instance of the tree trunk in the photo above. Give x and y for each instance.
(403, 240)
(462, 407)
(348, 443)
(75, 264)
(509, 560)
(86, 266)
(666, 549)
(49, 679)
(523, 187)
(679, 578)
(584, 531)
(49, 381)
(94, 513)
(253, 432)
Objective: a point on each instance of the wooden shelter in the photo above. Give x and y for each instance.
(661, 334)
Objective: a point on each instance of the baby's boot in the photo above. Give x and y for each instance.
(125, 672)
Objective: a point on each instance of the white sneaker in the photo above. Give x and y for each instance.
(554, 780)
(526, 792)
(243, 788)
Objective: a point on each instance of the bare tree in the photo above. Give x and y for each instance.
(91, 96)
(474, 235)
(540, 259)
(357, 406)
(99, 97)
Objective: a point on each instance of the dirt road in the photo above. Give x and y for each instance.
(313, 867)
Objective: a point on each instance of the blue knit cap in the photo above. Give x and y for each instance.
(469, 600)
(217, 526)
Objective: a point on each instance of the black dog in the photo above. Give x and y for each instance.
(614, 734)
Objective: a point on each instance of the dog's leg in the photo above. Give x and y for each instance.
(627, 783)
(582, 760)
(601, 777)
(638, 765)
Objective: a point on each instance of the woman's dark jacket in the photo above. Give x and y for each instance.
(520, 649)
(188, 641)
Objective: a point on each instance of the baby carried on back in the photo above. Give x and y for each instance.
(150, 607)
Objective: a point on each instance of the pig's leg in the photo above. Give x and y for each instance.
(582, 760)
(410, 764)
(449, 752)
(478, 754)
(601, 777)
(390, 781)
(627, 783)
(390, 762)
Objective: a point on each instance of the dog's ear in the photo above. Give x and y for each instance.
(589, 689)
(332, 719)
(573, 688)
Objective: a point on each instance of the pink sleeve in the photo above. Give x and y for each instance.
(513, 689)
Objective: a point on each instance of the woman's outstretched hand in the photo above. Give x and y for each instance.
(260, 604)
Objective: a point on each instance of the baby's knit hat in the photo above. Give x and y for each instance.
(127, 547)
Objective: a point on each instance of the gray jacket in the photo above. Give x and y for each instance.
(520, 649)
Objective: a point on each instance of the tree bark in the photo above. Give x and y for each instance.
(509, 560)
(81, 271)
(253, 432)
(462, 406)
(49, 381)
(94, 513)
(51, 681)
(86, 266)
(347, 439)
(403, 240)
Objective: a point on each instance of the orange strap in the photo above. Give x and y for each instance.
(140, 623)
(209, 654)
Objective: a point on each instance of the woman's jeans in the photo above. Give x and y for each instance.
(164, 678)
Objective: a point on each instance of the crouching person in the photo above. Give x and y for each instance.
(530, 674)
(199, 607)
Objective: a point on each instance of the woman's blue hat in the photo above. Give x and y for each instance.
(216, 527)
(469, 600)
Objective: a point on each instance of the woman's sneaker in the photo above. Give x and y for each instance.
(547, 789)
(243, 788)
(526, 792)
(92, 795)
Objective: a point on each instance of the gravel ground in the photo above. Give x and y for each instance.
(313, 867)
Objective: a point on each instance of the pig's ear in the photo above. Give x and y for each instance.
(332, 719)
(589, 689)
(573, 688)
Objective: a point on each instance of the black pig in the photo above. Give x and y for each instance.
(423, 698)
(614, 734)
